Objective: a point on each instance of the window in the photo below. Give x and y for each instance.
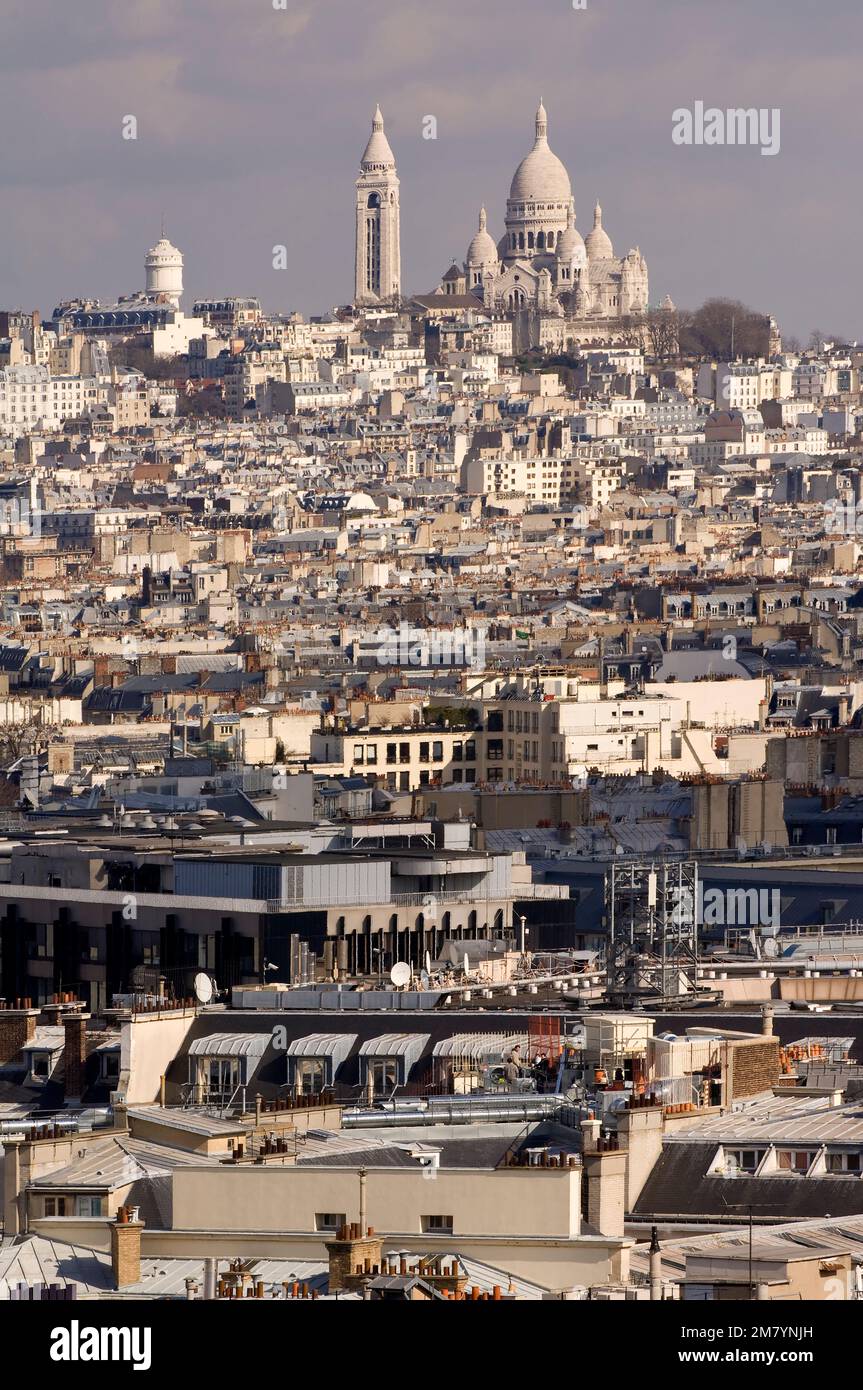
(843, 1163)
(436, 1225)
(40, 1064)
(392, 752)
(110, 1065)
(437, 751)
(89, 1206)
(372, 753)
(457, 751)
(55, 1206)
(383, 1076)
(358, 753)
(330, 1220)
(794, 1160)
(424, 752)
(222, 1074)
(404, 752)
(470, 751)
(746, 1160)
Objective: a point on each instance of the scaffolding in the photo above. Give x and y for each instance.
(651, 911)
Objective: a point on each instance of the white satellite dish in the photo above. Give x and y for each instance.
(400, 974)
(203, 988)
(428, 963)
(466, 963)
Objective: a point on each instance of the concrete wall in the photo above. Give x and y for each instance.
(506, 1203)
(148, 1045)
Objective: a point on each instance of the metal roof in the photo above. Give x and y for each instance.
(478, 1046)
(231, 1045)
(39, 1260)
(787, 1241)
(778, 1121)
(335, 1045)
(410, 1045)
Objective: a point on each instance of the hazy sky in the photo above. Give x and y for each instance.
(252, 121)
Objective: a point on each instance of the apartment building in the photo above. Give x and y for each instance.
(32, 399)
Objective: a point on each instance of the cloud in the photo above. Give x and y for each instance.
(252, 122)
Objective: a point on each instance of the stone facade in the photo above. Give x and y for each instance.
(560, 286)
(377, 267)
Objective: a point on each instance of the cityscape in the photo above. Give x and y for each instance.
(431, 752)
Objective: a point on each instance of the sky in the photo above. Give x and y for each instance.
(251, 122)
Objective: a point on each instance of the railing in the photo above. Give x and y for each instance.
(427, 900)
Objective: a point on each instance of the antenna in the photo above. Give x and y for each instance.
(203, 987)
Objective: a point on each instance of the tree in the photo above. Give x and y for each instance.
(724, 329)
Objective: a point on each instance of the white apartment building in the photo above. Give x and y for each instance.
(811, 440)
(32, 399)
(545, 480)
(596, 480)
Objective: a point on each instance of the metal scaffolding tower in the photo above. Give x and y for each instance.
(652, 916)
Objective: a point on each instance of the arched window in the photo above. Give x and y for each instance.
(530, 241)
(446, 921)
(420, 922)
(471, 923)
(521, 241)
(340, 926)
(374, 200)
(540, 242)
(394, 922)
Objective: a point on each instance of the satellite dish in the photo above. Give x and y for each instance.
(428, 963)
(466, 963)
(424, 979)
(400, 974)
(203, 988)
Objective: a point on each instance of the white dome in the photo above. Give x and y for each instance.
(570, 247)
(598, 243)
(541, 177)
(482, 250)
(165, 253)
(378, 153)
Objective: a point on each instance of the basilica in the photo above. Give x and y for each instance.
(558, 285)
(542, 262)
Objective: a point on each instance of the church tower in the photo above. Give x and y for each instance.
(377, 270)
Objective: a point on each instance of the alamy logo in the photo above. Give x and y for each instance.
(415, 646)
(728, 907)
(734, 126)
(843, 518)
(77, 1343)
(19, 518)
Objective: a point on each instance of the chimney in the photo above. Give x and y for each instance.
(639, 1130)
(591, 1129)
(655, 1268)
(767, 1021)
(12, 1185)
(126, 1247)
(75, 1055)
(354, 1255)
(604, 1190)
(17, 1028)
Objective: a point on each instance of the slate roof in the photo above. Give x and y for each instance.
(680, 1185)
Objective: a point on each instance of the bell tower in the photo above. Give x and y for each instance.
(377, 266)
